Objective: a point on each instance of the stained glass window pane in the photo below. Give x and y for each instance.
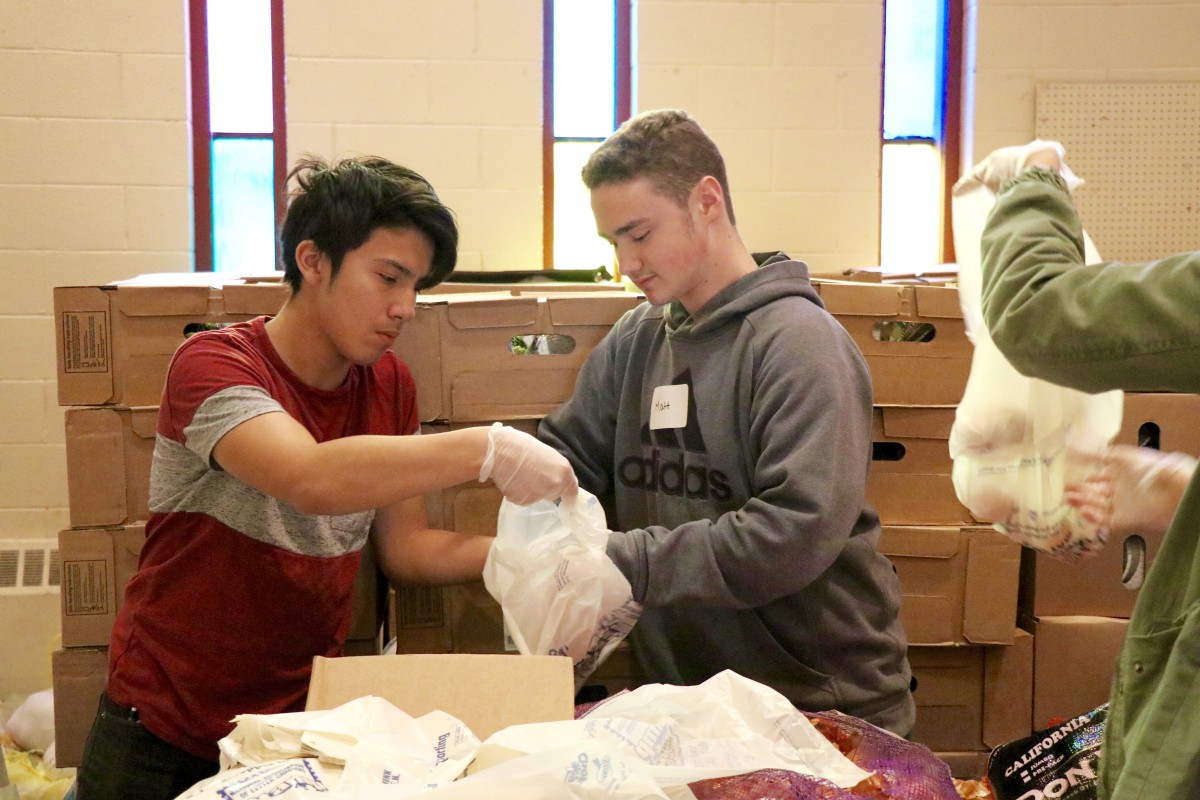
(243, 206)
(914, 54)
(239, 66)
(911, 232)
(584, 58)
(576, 244)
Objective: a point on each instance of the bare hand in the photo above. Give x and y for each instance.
(1133, 490)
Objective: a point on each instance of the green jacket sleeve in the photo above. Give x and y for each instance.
(1099, 327)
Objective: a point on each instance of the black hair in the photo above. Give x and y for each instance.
(338, 206)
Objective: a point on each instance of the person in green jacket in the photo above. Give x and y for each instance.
(1095, 328)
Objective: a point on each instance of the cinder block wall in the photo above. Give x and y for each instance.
(94, 183)
(1020, 44)
(452, 89)
(790, 91)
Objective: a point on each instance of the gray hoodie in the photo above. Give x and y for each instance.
(742, 524)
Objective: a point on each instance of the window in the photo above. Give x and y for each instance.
(239, 150)
(922, 59)
(587, 89)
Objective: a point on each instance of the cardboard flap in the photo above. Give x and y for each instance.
(486, 692)
(993, 571)
(929, 619)
(922, 542)
(484, 396)
(94, 436)
(494, 312)
(143, 420)
(162, 301)
(917, 422)
(591, 309)
(1008, 690)
(938, 301)
(255, 298)
(853, 298)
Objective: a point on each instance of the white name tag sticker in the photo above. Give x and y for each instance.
(669, 407)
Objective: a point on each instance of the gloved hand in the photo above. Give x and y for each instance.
(524, 469)
(1006, 163)
(1134, 490)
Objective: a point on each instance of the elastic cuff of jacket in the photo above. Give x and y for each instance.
(1040, 174)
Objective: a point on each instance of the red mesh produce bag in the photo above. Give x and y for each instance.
(903, 770)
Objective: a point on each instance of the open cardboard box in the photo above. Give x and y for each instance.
(109, 453)
(460, 350)
(911, 481)
(971, 698)
(959, 585)
(114, 342)
(913, 339)
(486, 692)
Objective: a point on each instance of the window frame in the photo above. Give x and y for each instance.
(948, 140)
(622, 101)
(202, 135)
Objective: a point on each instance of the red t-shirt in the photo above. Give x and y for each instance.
(237, 591)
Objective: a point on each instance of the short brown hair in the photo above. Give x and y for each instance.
(665, 146)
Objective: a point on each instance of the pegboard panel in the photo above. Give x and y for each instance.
(1137, 146)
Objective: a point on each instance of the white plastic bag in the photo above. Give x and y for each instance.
(559, 591)
(1017, 442)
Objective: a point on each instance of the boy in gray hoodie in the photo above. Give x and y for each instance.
(726, 425)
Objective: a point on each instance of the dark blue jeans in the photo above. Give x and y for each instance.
(122, 760)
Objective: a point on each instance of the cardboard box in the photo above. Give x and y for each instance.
(1105, 585)
(910, 480)
(114, 342)
(97, 563)
(912, 337)
(109, 452)
(1163, 421)
(524, 287)
(80, 674)
(450, 619)
(1074, 662)
(486, 692)
(959, 585)
(972, 697)
(460, 350)
(936, 274)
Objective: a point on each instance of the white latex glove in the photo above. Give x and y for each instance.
(1134, 490)
(524, 469)
(1006, 163)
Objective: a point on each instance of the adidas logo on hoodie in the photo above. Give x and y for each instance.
(667, 469)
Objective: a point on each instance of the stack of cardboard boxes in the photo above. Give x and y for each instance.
(114, 345)
(1078, 612)
(958, 577)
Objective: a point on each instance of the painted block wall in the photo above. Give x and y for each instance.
(1020, 44)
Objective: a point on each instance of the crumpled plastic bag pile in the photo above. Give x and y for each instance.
(650, 742)
(27, 740)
